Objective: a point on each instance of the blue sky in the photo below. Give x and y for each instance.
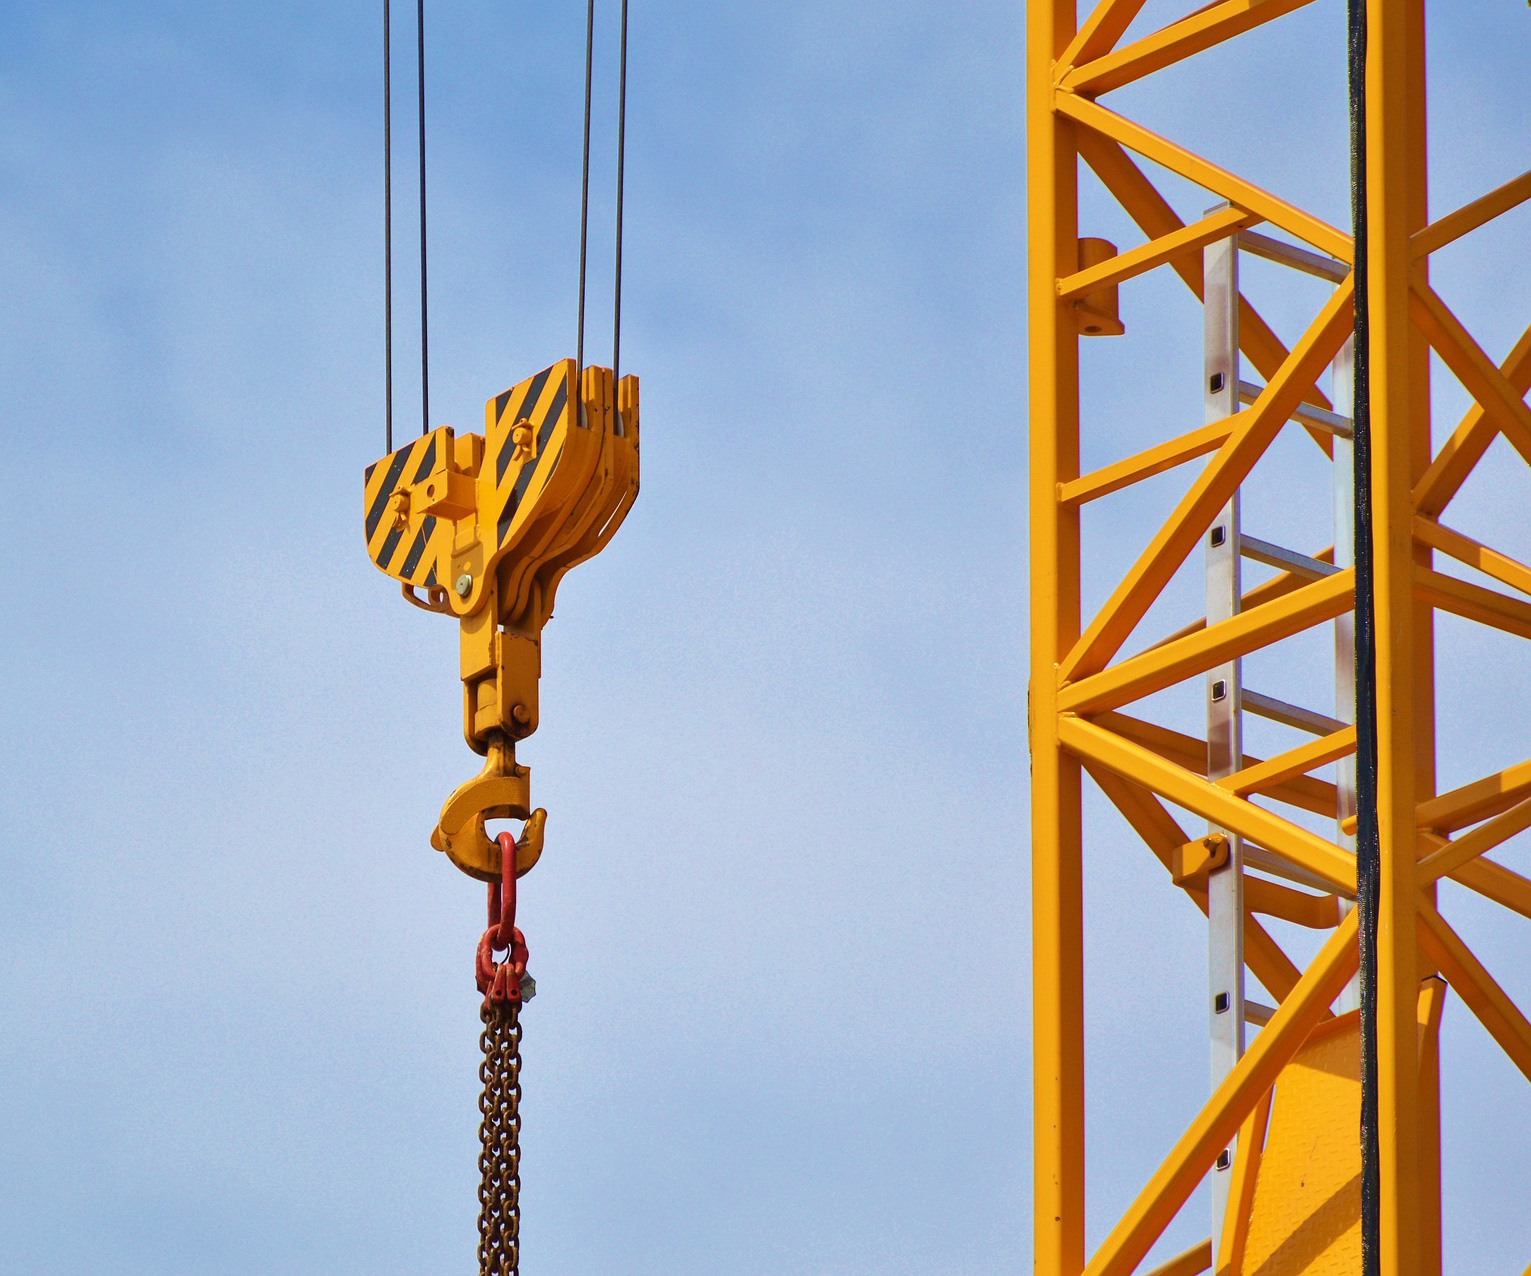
(780, 931)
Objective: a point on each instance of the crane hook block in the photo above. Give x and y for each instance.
(484, 527)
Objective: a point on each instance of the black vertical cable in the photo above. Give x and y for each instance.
(388, 225)
(584, 192)
(425, 360)
(616, 307)
(1368, 843)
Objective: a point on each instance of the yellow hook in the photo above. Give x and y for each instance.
(501, 791)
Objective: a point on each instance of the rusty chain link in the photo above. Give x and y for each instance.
(499, 1133)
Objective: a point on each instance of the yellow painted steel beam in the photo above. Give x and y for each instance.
(1146, 464)
(1278, 585)
(1140, 260)
(1432, 1002)
(1478, 800)
(1107, 24)
(1202, 30)
(1231, 1103)
(1494, 1008)
(1313, 912)
(1469, 217)
(1474, 602)
(1292, 763)
(1057, 869)
(1495, 832)
(1213, 488)
(1141, 200)
(1305, 850)
(1471, 439)
(1480, 376)
(1190, 752)
(1504, 886)
(1161, 834)
(1308, 228)
(1508, 571)
(1400, 450)
(1241, 1191)
(1165, 665)
(1193, 1262)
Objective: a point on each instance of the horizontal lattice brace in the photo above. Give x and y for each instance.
(1275, 587)
(1470, 553)
(1148, 463)
(1188, 752)
(1155, 253)
(1450, 856)
(1247, 631)
(1453, 226)
(1299, 761)
(1473, 602)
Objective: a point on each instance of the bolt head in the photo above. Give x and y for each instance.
(463, 585)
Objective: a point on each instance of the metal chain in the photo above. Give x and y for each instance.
(499, 1133)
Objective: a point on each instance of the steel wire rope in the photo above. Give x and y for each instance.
(584, 195)
(584, 198)
(616, 304)
(387, 229)
(425, 360)
(1368, 844)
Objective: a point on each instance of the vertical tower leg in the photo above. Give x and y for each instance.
(1057, 905)
(1399, 453)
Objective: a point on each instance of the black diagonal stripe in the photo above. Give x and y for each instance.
(390, 481)
(555, 410)
(367, 478)
(528, 404)
(500, 400)
(417, 550)
(385, 554)
(524, 479)
(427, 462)
(513, 501)
(430, 581)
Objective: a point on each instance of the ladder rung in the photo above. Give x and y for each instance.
(1310, 263)
(1287, 560)
(1258, 1013)
(1307, 413)
(1291, 715)
(1272, 865)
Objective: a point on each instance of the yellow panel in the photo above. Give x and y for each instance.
(405, 537)
(1306, 1219)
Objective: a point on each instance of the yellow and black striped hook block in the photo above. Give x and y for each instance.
(487, 526)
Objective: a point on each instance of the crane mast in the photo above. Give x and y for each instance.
(1319, 1141)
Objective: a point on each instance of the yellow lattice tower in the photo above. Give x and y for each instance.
(1280, 839)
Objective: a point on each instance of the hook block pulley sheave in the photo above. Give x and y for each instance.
(483, 528)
